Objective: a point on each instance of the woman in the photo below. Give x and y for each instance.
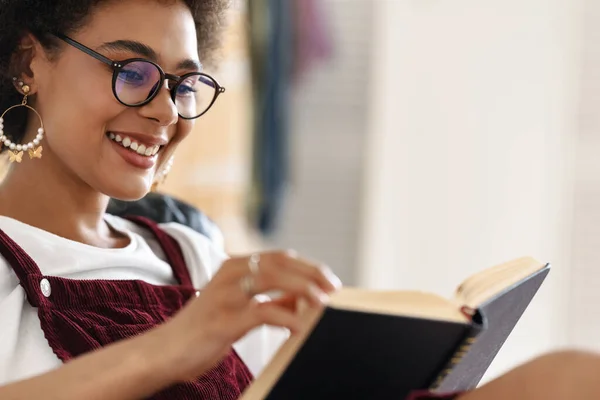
(104, 122)
(115, 300)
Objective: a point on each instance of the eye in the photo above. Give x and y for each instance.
(185, 90)
(132, 77)
(188, 86)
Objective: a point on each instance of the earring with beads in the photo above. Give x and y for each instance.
(33, 148)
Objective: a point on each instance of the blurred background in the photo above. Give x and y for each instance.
(410, 143)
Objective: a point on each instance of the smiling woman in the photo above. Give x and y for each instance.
(99, 95)
(78, 85)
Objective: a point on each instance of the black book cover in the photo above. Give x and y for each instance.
(357, 355)
(500, 315)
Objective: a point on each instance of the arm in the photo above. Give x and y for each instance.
(130, 369)
(193, 341)
(556, 376)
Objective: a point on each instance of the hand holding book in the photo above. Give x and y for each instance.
(375, 344)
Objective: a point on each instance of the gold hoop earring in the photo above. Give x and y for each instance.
(16, 150)
(161, 176)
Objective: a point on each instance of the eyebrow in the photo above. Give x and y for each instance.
(148, 52)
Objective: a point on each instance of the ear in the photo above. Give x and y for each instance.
(25, 61)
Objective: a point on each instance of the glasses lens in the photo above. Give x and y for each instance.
(136, 82)
(194, 95)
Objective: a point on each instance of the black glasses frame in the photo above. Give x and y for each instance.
(117, 66)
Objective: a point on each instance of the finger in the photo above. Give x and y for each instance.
(235, 268)
(279, 271)
(269, 313)
(290, 303)
(290, 283)
(320, 274)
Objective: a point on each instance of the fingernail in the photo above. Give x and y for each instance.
(292, 253)
(335, 281)
(324, 298)
(321, 296)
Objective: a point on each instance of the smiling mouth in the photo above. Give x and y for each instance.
(134, 145)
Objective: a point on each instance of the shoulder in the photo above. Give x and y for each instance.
(8, 279)
(17, 230)
(163, 208)
(203, 256)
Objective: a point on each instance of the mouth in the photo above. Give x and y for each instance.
(134, 146)
(136, 153)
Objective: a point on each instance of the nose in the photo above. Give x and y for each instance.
(161, 108)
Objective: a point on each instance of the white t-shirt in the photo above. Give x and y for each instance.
(25, 352)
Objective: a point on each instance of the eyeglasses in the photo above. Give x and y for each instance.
(137, 81)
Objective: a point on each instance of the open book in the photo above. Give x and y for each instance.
(382, 344)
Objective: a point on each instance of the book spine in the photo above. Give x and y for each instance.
(462, 350)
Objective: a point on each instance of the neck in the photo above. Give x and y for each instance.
(38, 192)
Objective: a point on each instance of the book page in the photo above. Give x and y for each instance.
(485, 285)
(406, 303)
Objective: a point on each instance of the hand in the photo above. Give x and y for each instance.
(227, 309)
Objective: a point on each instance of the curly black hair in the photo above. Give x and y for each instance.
(40, 17)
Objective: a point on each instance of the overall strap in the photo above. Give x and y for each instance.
(169, 246)
(27, 271)
(17, 258)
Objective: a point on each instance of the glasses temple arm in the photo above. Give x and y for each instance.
(87, 50)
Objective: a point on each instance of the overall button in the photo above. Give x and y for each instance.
(45, 286)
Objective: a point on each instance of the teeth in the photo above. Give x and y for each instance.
(141, 149)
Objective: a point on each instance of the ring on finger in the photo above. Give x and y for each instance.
(253, 263)
(247, 284)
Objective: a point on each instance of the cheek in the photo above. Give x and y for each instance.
(75, 110)
(182, 130)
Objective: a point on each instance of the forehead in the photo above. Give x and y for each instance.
(166, 26)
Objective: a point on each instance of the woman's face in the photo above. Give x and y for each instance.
(73, 93)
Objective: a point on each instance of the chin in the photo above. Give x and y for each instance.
(135, 189)
(128, 172)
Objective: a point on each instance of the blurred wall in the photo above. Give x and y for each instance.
(585, 297)
(473, 121)
(328, 125)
